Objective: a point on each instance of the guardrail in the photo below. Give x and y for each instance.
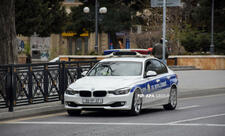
(24, 84)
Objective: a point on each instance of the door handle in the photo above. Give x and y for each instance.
(158, 80)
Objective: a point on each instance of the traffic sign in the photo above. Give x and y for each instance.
(169, 3)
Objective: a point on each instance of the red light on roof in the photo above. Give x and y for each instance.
(143, 51)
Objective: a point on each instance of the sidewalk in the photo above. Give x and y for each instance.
(191, 84)
(31, 110)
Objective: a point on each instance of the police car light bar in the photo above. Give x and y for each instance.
(141, 51)
(126, 54)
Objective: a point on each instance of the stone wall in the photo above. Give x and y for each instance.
(58, 46)
(215, 62)
(103, 42)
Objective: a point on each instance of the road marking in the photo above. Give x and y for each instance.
(122, 124)
(198, 118)
(198, 124)
(188, 107)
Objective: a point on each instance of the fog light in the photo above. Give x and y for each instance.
(71, 104)
(123, 103)
(118, 104)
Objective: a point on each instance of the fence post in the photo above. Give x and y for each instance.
(14, 86)
(30, 84)
(46, 82)
(9, 89)
(65, 80)
(79, 72)
(62, 79)
(11, 86)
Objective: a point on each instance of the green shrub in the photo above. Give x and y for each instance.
(203, 42)
(219, 42)
(196, 41)
(188, 40)
(27, 49)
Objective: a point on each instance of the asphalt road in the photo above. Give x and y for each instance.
(195, 116)
(200, 79)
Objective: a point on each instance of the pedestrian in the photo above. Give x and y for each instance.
(157, 50)
(121, 44)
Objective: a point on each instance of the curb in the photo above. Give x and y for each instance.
(197, 93)
(54, 107)
(32, 110)
(182, 68)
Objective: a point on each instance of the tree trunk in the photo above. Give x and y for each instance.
(8, 44)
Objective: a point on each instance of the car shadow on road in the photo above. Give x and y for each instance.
(110, 114)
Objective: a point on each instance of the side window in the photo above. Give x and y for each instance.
(163, 68)
(148, 66)
(156, 66)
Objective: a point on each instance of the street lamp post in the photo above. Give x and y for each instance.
(164, 32)
(102, 10)
(212, 29)
(96, 26)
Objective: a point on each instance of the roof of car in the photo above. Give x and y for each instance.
(136, 59)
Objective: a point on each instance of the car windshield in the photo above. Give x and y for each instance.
(117, 69)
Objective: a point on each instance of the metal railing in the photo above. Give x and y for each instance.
(24, 84)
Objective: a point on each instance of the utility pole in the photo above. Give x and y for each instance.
(164, 31)
(96, 26)
(212, 30)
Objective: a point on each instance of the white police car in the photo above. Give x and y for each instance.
(125, 82)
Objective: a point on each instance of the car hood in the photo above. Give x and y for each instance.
(103, 83)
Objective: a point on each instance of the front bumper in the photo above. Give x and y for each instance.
(110, 102)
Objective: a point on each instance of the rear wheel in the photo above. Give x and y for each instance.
(136, 103)
(172, 100)
(73, 112)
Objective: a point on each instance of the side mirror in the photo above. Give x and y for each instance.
(151, 74)
(84, 73)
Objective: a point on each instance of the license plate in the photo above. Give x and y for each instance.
(92, 101)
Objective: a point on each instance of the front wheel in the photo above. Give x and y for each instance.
(136, 103)
(172, 100)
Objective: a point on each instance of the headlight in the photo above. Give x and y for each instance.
(70, 91)
(120, 91)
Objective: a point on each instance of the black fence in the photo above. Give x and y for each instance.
(24, 84)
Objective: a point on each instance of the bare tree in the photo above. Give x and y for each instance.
(8, 44)
(147, 39)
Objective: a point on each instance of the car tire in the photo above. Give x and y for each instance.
(73, 112)
(172, 100)
(136, 104)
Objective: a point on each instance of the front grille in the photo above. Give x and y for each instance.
(85, 93)
(99, 93)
